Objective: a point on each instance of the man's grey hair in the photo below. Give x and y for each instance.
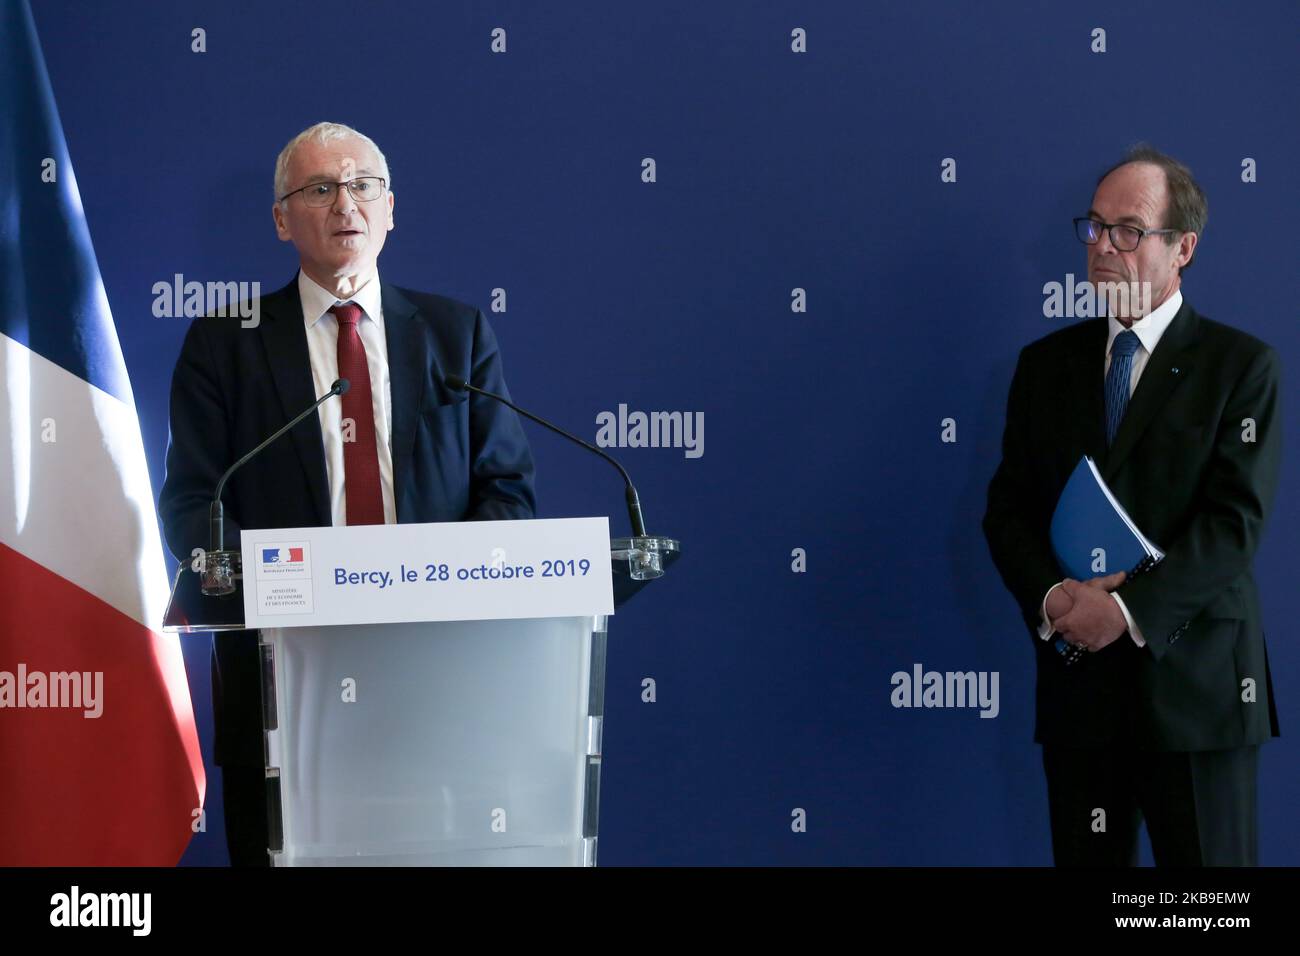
(1188, 209)
(323, 133)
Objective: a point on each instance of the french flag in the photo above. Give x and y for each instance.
(278, 555)
(82, 578)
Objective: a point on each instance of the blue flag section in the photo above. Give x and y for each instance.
(45, 246)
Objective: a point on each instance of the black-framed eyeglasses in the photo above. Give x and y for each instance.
(1123, 237)
(362, 189)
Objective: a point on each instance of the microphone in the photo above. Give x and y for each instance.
(458, 384)
(216, 513)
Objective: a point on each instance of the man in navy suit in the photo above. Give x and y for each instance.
(399, 446)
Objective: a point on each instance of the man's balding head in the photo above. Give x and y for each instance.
(338, 243)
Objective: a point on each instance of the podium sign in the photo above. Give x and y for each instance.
(453, 571)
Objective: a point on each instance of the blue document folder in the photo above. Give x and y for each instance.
(1088, 518)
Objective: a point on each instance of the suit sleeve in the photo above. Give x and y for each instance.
(1235, 497)
(501, 463)
(197, 450)
(1015, 522)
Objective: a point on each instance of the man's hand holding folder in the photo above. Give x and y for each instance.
(1090, 529)
(1085, 613)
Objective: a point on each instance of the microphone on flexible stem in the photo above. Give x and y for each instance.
(458, 384)
(219, 565)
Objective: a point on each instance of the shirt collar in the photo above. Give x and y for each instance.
(317, 301)
(1149, 328)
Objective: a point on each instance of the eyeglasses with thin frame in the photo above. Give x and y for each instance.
(362, 189)
(1123, 237)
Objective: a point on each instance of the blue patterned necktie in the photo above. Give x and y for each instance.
(1117, 380)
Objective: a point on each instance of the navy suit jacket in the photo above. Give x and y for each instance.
(455, 457)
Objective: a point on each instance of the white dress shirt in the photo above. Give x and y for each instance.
(322, 347)
(1148, 329)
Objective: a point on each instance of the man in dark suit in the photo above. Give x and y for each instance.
(399, 446)
(1162, 717)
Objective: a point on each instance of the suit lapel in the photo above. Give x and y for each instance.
(409, 367)
(284, 336)
(1169, 366)
(1084, 370)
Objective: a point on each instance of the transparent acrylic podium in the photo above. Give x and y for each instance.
(466, 743)
(451, 743)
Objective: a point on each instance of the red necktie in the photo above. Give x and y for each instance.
(361, 489)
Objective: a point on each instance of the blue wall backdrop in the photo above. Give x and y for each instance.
(775, 170)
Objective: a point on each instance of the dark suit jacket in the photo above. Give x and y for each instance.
(454, 458)
(1182, 471)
